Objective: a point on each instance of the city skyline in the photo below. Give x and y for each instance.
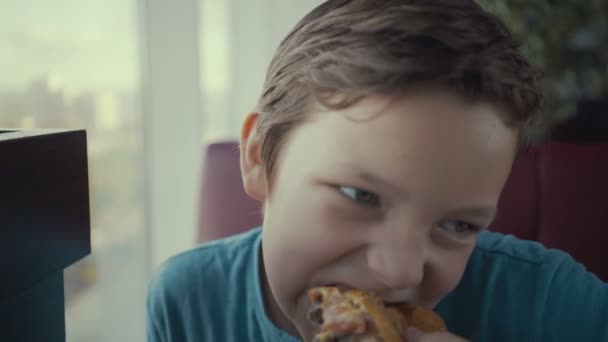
(88, 45)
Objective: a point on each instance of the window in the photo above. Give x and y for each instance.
(74, 64)
(237, 42)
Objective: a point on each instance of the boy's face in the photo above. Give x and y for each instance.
(386, 196)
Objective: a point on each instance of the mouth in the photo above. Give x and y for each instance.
(344, 287)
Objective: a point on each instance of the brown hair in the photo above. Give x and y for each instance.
(356, 48)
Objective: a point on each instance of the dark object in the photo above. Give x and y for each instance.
(589, 125)
(44, 228)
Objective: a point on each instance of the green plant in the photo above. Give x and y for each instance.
(568, 39)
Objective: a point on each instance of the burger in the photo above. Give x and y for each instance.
(359, 316)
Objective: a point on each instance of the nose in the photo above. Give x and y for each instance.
(397, 258)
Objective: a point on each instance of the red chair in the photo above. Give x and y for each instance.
(224, 207)
(518, 206)
(574, 198)
(557, 194)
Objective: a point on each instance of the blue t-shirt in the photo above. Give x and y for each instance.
(512, 290)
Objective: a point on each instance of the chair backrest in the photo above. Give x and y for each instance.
(557, 194)
(518, 205)
(224, 207)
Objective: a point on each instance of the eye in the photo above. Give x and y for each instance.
(359, 196)
(459, 227)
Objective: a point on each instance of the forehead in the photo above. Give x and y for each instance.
(429, 137)
(420, 120)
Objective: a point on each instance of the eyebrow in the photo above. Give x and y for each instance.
(371, 178)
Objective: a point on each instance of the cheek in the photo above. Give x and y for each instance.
(444, 273)
(303, 235)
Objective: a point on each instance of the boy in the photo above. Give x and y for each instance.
(379, 148)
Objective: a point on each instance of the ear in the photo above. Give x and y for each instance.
(252, 167)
